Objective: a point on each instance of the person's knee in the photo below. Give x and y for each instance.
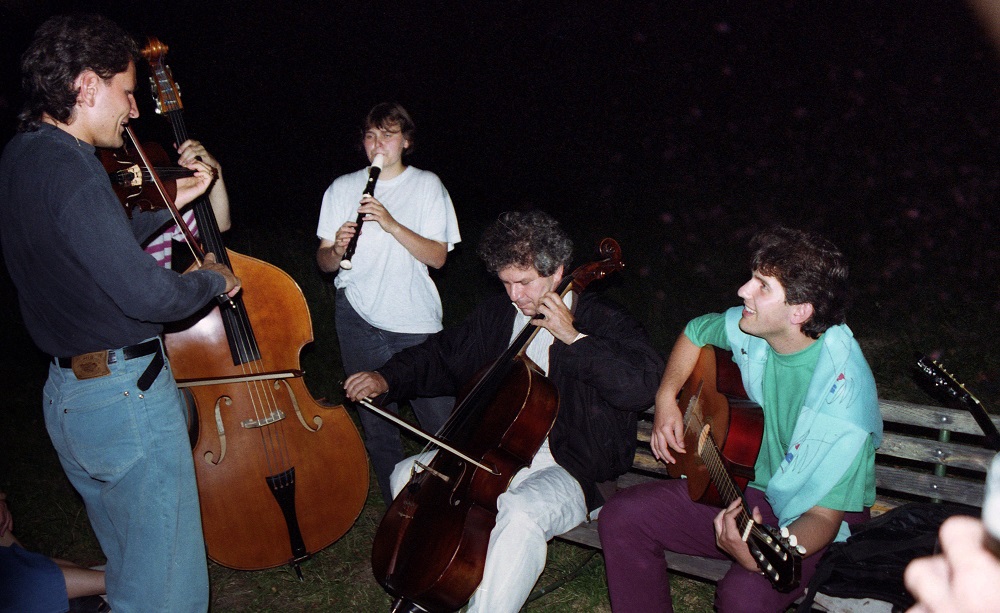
(402, 472)
(513, 517)
(400, 476)
(615, 517)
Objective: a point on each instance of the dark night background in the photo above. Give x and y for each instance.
(831, 113)
(678, 128)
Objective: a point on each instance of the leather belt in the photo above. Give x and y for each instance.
(95, 364)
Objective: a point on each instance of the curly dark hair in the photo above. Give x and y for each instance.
(523, 240)
(63, 47)
(387, 115)
(810, 268)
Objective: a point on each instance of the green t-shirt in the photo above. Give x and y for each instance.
(785, 384)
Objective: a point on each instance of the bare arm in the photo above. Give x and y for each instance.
(190, 151)
(329, 253)
(814, 530)
(668, 420)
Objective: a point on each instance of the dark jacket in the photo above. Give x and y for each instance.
(603, 380)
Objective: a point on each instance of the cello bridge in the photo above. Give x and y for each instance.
(437, 474)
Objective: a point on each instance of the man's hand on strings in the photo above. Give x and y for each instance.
(191, 151)
(728, 537)
(190, 188)
(557, 318)
(232, 281)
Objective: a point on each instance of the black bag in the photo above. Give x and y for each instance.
(870, 563)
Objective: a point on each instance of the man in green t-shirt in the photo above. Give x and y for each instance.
(815, 470)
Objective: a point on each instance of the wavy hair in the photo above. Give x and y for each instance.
(62, 48)
(810, 268)
(523, 240)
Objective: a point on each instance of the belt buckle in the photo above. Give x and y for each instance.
(91, 365)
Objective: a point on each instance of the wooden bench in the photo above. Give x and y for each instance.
(928, 453)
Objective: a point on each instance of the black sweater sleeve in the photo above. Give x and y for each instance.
(447, 360)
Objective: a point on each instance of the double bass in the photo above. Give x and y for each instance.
(279, 476)
(430, 547)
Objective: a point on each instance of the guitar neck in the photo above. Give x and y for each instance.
(711, 455)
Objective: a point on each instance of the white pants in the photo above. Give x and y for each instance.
(542, 501)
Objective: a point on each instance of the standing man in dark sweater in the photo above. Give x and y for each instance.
(599, 359)
(95, 301)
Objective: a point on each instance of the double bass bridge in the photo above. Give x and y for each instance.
(275, 416)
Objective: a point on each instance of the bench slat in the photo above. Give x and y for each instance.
(926, 416)
(952, 489)
(935, 452)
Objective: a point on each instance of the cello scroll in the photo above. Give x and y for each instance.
(611, 262)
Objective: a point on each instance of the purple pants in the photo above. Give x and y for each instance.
(639, 523)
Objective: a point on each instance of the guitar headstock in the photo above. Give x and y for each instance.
(942, 380)
(777, 558)
(166, 93)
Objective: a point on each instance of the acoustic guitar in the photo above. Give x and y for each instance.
(726, 429)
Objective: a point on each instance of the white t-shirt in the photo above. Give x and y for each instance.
(387, 286)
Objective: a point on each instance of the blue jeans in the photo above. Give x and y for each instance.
(364, 347)
(127, 453)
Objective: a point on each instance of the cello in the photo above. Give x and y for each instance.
(430, 548)
(279, 476)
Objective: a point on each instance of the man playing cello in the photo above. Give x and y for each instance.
(598, 357)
